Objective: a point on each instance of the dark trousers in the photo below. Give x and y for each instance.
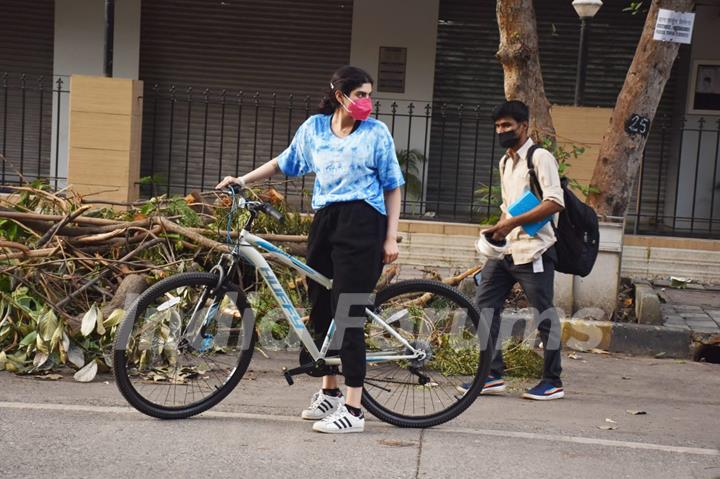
(345, 244)
(497, 279)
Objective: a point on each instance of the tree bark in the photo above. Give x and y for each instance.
(621, 152)
(519, 56)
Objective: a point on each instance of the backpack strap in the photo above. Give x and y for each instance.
(501, 166)
(534, 182)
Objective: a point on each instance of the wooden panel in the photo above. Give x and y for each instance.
(100, 131)
(105, 134)
(101, 95)
(585, 127)
(99, 167)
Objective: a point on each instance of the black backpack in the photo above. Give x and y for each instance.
(577, 231)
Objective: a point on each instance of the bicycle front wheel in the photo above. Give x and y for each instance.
(443, 323)
(183, 346)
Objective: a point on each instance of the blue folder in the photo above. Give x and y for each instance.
(527, 202)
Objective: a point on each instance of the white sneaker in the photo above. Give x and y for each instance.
(341, 422)
(322, 405)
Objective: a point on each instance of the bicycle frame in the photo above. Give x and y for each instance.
(246, 248)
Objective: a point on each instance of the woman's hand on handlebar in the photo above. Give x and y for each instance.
(230, 180)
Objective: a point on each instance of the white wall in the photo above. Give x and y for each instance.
(126, 45)
(398, 23)
(411, 24)
(79, 50)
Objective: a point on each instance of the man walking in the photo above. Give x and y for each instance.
(530, 259)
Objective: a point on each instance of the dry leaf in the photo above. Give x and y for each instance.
(574, 356)
(598, 351)
(396, 443)
(87, 373)
(636, 413)
(628, 302)
(50, 377)
(626, 377)
(607, 428)
(607, 419)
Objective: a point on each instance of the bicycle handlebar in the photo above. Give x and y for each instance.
(267, 208)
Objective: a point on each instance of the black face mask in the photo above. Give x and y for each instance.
(508, 139)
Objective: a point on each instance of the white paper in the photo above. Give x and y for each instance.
(674, 26)
(538, 265)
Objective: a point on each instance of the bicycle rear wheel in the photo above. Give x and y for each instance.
(442, 322)
(166, 364)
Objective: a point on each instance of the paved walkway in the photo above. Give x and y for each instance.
(696, 308)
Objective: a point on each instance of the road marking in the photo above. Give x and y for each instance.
(437, 429)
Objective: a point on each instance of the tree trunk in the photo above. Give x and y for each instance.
(518, 54)
(621, 152)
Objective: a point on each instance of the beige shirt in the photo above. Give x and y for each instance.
(515, 181)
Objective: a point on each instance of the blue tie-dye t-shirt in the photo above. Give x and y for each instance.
(360, 166)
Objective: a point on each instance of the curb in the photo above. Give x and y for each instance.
(629, 338)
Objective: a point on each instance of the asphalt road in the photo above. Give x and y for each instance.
(66, 429)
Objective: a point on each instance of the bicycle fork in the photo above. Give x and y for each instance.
(210, 314)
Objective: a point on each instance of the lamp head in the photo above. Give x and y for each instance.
(587, 8)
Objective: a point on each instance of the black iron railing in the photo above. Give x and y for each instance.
(678, 192)
(31, 123)
(448, 153)
(192, 139)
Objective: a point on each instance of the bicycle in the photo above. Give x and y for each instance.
(186, 341)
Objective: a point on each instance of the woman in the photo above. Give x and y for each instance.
(357, 201)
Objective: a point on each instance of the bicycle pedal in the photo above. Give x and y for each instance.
(288, 377)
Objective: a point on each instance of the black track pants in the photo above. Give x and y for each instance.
(345, 244)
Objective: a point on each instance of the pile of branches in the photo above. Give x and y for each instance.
(68, 266)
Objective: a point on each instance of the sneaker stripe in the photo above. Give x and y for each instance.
(337, 425)
(497, 382)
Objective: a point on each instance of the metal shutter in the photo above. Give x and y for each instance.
(467, 72)
(251, 46)
(26, 47)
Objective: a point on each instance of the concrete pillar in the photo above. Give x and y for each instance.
(105, 127)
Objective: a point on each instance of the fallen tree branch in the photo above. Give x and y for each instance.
(67, 219)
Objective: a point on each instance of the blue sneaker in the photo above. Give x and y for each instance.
(493, 385)
(544, 392)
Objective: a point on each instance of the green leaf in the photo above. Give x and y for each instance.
(29, 339)
(3, 360)
(86, 374)
(89, 321)
(57, 337)
(47, 325)
(41, 345)
(100, 328)
(114, 319)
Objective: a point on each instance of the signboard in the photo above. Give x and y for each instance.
(674, 26)
(637, 125)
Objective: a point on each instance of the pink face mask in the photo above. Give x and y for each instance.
(359, 109)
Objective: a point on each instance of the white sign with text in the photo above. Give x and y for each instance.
(674, 26)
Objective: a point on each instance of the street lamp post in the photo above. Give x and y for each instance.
(586, 10)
